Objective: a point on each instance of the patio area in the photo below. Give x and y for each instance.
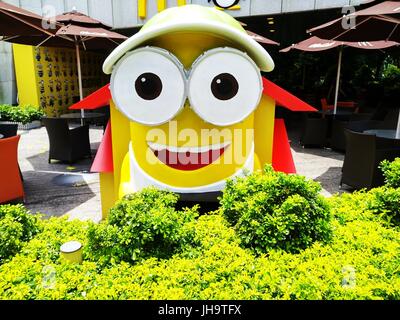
(57, 189)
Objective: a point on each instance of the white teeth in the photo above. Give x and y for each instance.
(201, 149)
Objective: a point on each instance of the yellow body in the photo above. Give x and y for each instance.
(257, 127)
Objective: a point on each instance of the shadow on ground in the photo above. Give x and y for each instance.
(57, 188)
(330, 180)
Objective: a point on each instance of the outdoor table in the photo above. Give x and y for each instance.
(86, 116)
(383, 133)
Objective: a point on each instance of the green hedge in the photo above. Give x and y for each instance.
(17, 226)
(22, 114)
(360, 261)
(272, 210)
(391, 172)
(140, 226)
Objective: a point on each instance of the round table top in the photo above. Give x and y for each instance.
(338, 112)
(1, 136)
(383, 133)
(77, 115)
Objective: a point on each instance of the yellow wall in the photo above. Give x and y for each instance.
(48, 77)
(25, 73)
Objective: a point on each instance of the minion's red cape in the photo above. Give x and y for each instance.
(282, 159)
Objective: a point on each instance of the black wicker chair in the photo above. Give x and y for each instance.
(338, 139)
(314, 131)
(364, 153)
(8, 130)
(66, 144)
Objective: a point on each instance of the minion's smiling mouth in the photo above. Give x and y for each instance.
(188, 158)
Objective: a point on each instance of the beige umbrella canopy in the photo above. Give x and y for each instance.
(315, 44)
(387, 7)
(75, 30)
(261, 39)
(366, 28)
(15, 22)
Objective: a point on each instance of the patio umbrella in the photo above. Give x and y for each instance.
(387, 7)
(77, 31)
(80, 30)
(15, 22)
(315, 44)
(366, 28)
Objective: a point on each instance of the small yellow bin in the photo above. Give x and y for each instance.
(72, 251)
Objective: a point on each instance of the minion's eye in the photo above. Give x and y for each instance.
(148, 85)
(225, 86)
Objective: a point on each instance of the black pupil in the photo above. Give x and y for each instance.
(148, 86)
(224, 86)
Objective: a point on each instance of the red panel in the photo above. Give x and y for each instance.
(284, 98)
(97, 99)
(11, 186)
(103, 161)
(282, 159)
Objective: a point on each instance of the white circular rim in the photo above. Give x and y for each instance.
(169, 56)
(208, 54)
(70, 246)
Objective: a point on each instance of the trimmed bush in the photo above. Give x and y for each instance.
(21, 114)
(17, 226)
(273, 210)
(391, 172)
(385, 202)
(143, 225)
(360, 262)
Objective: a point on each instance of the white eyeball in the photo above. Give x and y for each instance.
(148, 86)
(225, 3)
(225, 86)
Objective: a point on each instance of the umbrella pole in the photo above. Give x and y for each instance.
(338, 80)
(78, 64)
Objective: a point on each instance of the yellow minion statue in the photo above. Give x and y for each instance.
(189, 108)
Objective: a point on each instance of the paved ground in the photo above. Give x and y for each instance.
(56, 189)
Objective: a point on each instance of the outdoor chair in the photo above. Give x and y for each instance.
(66, 144)
(8, 129)
(326, 107)
(11, 187)
(364, 154)
(338, 139)
(314, 131)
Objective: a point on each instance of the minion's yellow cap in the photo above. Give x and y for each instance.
(193, 18)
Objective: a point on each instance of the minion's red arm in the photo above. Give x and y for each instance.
(282, 159)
